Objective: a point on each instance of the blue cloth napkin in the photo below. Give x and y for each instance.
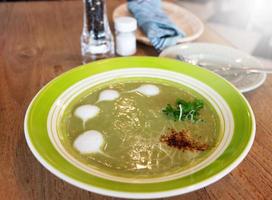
(155, 24)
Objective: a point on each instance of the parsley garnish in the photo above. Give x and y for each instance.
(184, 110)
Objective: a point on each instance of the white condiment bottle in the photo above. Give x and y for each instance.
(125, 28)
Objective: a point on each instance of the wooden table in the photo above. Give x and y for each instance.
(40, 40)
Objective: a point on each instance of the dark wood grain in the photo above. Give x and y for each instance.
(40, 40)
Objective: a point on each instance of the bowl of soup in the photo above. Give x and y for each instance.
(139, 127)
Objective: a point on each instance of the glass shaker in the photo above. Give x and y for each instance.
(96, 39)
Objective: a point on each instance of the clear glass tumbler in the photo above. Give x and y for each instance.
(96, 39)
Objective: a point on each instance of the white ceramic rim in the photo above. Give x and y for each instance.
(218, 103)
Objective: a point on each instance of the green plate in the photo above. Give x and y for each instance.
(236, 116)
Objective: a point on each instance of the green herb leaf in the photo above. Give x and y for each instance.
(184, 110)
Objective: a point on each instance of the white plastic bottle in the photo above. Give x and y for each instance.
(125, 28)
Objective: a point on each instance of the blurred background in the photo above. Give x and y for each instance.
(246, 24)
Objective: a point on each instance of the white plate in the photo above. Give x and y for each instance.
(221, 56)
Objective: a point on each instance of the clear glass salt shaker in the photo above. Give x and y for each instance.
(96, 39)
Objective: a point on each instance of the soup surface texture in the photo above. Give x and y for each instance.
(117, 129)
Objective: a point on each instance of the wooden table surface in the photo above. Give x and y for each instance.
(40, 40)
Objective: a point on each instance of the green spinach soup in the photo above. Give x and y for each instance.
(143, 128)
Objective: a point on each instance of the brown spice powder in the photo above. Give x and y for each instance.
(182, 140)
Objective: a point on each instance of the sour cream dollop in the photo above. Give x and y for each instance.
(89, 142)
(148, 90)
(86, 112)
(108, 95)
